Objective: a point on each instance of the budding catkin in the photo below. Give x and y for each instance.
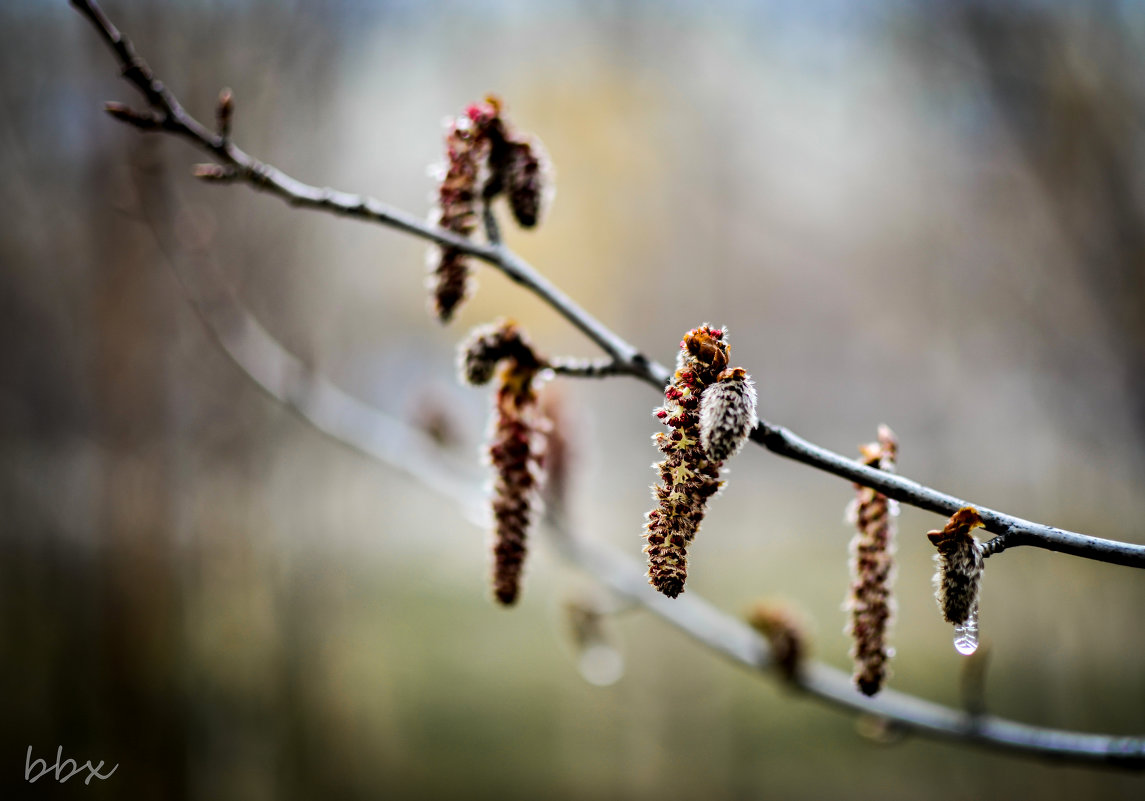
(727, 413)
(527, 178)
(484, 158)
(872, 565)
(514, 455)
(960, 561)
(785, 632)
(515, 442)
(466, 153)
(688, 475)
(488, 345)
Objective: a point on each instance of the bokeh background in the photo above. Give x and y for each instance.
(924, 214)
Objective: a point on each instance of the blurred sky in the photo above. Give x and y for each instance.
(922, 214)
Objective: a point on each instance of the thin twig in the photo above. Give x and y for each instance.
(587, 368)
(492, 229)
(626, 358)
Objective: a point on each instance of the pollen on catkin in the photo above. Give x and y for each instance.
(727, 413)
(515, 443)
(870, 603)
(484, 157)
(688, 474)
(960, 561)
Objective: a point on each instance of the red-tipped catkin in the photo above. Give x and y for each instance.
(960, 563)
(515, 443)
(466, 153)
(513, 452)
(484, 158)
(727, 413)
(688, 475)
(870, 603)
(785, 632)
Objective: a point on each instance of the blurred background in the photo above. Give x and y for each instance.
(924, 214)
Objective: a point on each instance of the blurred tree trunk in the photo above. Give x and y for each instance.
(1067, 88)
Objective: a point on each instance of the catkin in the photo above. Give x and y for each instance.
(960, 561)
(727, 413)
(515, 443)
(484, 157)
(689, 474)
(466, 152)
(870, 603)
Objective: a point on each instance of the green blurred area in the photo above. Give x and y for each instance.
(921, 215)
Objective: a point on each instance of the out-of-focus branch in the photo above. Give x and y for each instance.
(236, 165)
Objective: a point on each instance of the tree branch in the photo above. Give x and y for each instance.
(368, 430)
(346, 419)
(587, 368)
(626, 359)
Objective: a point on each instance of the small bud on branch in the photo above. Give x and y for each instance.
(224, 111)
(144, 120)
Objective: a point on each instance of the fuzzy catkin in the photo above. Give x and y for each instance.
(870, 603)
(727, 413)
(960, 562)
(688, 476)
(484, 158)
(515, 442)
(514, 454)
(487, 346)
(527, 179)
(467, 150)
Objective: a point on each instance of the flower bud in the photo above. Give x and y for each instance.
(727, 413)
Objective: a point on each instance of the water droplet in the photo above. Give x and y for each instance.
(600, 664)
(966, 635)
